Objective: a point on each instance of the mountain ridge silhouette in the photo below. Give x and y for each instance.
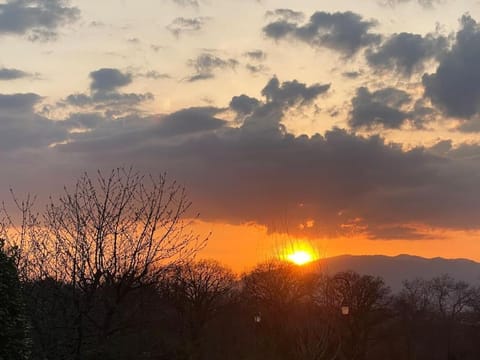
(395, 269)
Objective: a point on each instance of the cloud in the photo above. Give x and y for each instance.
(191, 120)
(112, 101)
(399, 232)
(427, 4)
(21, 127)
(406, 53)
(352, 74)
(84, 121)
(254, 169)
(286, 14)
(265, 117)
(206, 64)
(388, 108)
(200, 77)
(380, 108)
(258, 116)
(455, 86)
(155, 75)
(256, 55)
(344, 182)
(104, 94)
(18, 102)
(290, 93)
(193, 3)
(243, 104)
(107, 79)
(345, 32)
(12, 74)
(134, 41)
(256, 68)
(183, 25)
(39, 19)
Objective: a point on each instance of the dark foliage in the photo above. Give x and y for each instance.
(14, 341)
(199, 310)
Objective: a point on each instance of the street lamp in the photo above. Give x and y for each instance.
(345, 309)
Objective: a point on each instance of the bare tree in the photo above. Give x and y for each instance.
(450, 299)
(198, 291)
(317, 337)
(106, 238)
(277, 285)
(23, 232)
(414, 306)
(281, 293)
(367, 298)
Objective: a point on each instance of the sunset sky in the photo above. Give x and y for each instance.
(343, 126)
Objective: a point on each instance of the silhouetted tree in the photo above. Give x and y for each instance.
(14, 340)
(22, 229)
(316, 335)
(105, 239)
(367, 298)
(414, 305)
(51, 314)
(280, 292)
(450, 299)
(198, 291)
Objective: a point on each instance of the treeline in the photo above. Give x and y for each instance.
(106, 271)
(201, 310)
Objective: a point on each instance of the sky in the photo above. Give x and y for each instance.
(341, 126)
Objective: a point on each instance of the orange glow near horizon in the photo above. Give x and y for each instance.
(242, 247)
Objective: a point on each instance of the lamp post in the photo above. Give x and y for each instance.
(345, 312)
(257, 319)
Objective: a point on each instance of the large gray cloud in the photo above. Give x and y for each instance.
(39, 19)
(455, 86)
(254, 170)
(340, 180)
(406, 53)
(257, 171)
(345, 32)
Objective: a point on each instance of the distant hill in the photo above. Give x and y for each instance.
(396, 269)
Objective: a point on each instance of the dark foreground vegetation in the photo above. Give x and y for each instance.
(107, 272)
(200, 310)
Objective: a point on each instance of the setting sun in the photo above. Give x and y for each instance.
(300, 257)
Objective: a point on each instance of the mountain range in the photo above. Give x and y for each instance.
(395, 269)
